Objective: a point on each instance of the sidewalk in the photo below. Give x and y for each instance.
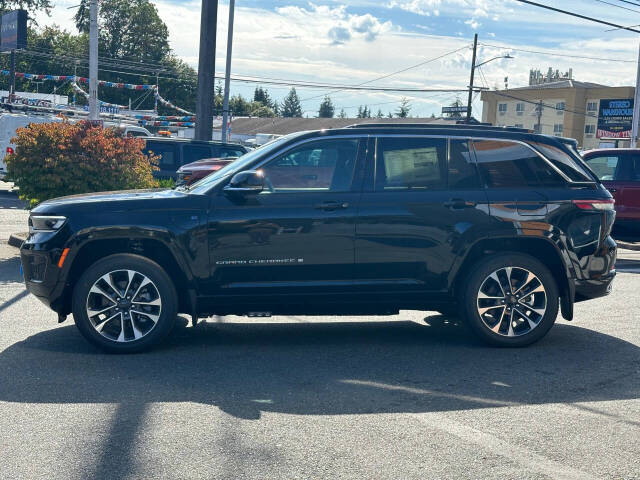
(13, 216)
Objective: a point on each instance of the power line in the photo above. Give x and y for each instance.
(396, 72)
(557, 54)
(630, 3)
(584, 17)
(619, 6)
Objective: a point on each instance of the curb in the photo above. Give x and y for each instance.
(628, 246)
(16, 239)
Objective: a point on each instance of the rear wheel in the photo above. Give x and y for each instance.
(124, 303)
(510, 300)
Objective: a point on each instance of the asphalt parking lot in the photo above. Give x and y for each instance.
(410, 396)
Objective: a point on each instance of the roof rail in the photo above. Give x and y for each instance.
(439, 126)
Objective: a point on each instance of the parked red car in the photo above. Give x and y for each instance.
(619, 171)
(192, 172)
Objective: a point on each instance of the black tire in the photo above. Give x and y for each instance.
(471, 289)
(163, 288)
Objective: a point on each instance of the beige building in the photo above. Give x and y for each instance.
(569, 109)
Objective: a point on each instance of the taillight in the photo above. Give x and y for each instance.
(606, 204)
(9, 151)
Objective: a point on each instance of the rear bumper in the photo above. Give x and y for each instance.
(589, 289)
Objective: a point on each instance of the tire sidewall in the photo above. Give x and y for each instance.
(148, 268)
(481, 271)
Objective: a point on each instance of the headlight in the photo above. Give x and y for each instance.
(45, 223)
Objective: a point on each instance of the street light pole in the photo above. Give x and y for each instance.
(636, 109)
(227, 76)
(473, 71)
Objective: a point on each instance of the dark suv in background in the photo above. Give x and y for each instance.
(176, 152)
(619, 170)
(500, 226)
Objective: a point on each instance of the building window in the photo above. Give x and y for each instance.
(519, 109)
(592, 106)
(590, 129)
(502, 108)
(557, 129)
(560, 106)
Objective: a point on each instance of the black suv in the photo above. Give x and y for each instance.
(176, 152)
(499, 226)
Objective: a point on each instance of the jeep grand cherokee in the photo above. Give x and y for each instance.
(499, 226)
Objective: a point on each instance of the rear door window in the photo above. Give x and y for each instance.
(504, 164)
(167, 153)
(226, 152)
(605, 166)
(193, 153)
(411, 163)
(634, 167)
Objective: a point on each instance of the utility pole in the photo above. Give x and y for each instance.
(12, 76)
(206, 70)
(227, 75)
(636, 109)
(155, 108)
(539, 108)
(473, 71)
(93, 60)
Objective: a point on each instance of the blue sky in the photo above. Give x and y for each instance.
(353, 42)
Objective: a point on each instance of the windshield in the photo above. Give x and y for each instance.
(241, 164)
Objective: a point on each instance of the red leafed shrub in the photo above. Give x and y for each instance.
(56, 159)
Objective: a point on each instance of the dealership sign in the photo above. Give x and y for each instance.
(615, 118)
(456, 109)
(13, 30)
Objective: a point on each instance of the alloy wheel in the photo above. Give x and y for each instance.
(512, 301)
(123, 305)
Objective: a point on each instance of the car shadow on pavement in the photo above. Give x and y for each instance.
(324, 369)
(314, 369)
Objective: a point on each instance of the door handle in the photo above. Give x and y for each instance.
(459, 204)
(331, 206)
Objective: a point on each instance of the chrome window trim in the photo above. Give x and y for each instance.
(375, 136)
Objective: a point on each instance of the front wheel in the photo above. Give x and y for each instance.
(124, 303)
(510, 300)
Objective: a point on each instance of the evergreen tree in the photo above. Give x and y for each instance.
(404, 108)
(379, 114)
(262, 95)
(342, 113)
(360, 112)
(326, 110)
(291, 105)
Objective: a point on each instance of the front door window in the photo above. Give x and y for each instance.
(323, 166)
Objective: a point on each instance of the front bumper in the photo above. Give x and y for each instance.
(42, 276)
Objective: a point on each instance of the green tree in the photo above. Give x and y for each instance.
(342, 113)
(258, 109)
(262, 95)
(404, 108)
(379, 114)
(29, 5)
(291, 105)
(128, 28)
(326, 110)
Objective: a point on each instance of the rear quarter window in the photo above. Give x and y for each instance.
(505, 164)
(563, 162)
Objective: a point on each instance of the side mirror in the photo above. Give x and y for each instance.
(247, 182)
